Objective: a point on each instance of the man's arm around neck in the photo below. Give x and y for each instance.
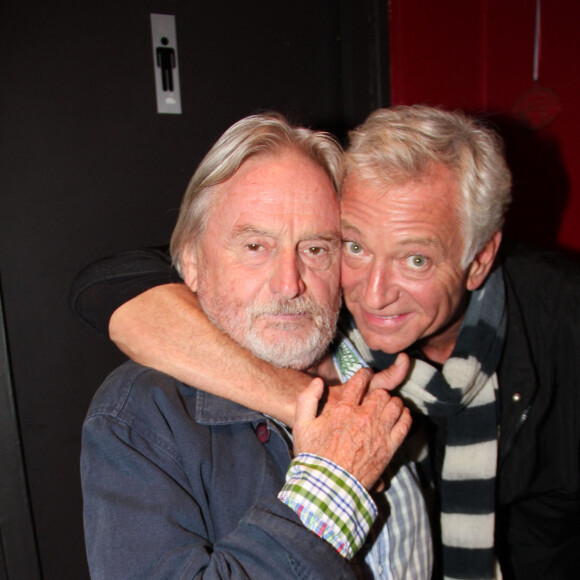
(166, 329)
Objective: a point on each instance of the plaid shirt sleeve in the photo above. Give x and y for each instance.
(329, 501)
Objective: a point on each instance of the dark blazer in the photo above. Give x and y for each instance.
(538, 515)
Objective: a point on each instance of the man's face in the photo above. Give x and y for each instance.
(402, 276)
(267, 270)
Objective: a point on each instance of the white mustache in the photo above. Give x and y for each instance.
(299, 306)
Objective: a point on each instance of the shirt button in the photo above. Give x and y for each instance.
(262, 432)
(516, 397)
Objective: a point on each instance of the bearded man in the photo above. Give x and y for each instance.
(181, 483)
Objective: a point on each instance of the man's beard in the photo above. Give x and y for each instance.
(293, 350)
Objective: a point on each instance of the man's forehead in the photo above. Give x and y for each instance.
(267, 166)
(271, 193)
(433, 175)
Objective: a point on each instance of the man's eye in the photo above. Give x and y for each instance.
(353, 247)
(254, 247)
(417, 261)
(316, 257)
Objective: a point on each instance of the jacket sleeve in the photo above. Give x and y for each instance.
(538, 535)
(142, 519)
(104, 285)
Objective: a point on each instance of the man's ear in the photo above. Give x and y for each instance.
(482, 263)
(189, 266)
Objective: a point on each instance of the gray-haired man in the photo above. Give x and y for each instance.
(178, 482)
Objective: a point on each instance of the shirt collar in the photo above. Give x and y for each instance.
(214, 410)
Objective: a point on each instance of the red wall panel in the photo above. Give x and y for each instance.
(479, 56)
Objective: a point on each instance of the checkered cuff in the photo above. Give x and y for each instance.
(329, 501)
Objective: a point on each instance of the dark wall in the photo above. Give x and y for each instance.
(88, 168)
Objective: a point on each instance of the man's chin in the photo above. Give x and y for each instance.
(290, 349)
(388, 344)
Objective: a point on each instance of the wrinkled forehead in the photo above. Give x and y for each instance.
(428, 208)
(284, 188)
(378, 185)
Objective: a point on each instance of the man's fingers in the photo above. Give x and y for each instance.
(401, 427)
(392, 377)
(354, 389)
(379, 486)
(359, 433)
(308, 400)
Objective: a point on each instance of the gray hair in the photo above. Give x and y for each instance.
(398, 145)
(251, 136)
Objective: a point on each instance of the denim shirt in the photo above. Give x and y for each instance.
(178, 483)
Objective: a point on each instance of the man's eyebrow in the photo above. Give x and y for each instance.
(435, 242)
(249, 230)
(245, 230)
(326, 236)
(421, 241)
(346, 225)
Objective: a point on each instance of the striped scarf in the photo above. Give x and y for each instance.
(460, 399)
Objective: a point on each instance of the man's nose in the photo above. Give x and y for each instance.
(381, 290)
(286, 279)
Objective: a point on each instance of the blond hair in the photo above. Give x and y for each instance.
(401, 144)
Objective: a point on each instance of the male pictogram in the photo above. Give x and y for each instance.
(166, 61)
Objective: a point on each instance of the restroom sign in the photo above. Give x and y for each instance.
(165, 63)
